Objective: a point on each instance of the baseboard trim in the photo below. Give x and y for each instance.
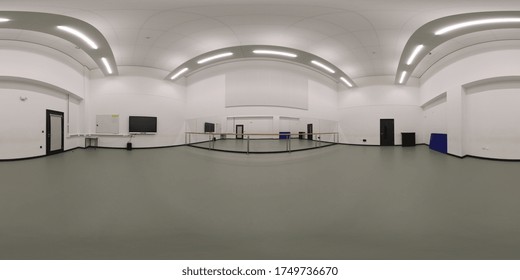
(24, 158)
(240, 152)
(136, 148)
(372, 145)
(452, 155)
(40, 156)
(495, 159)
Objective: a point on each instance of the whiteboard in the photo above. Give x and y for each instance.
(107, 124)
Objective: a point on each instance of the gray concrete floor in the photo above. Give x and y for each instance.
(339, 202)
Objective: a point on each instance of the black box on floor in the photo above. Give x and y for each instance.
(129, 146)
(408, 139)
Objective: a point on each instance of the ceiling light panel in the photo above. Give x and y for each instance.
(414, 54)
(107, 65)
(4, 20)
(271, 52)
(263, 52)
(474, 23)
(317, 63)
(179, 73)
(79, 35)
(346, 82)
(403, 75)
(202, 61)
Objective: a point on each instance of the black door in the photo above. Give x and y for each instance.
(55, 133)
(387, 132)
(240, 131)
(309, 130)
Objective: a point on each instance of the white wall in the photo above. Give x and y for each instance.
(39, 63)
(457, 73)
(260, 125)
(492, 118)
(49, 80)
(435, 118)
(268, 84)
(470, 97)
(361, 108)
(139, 92)
(23, 126)
(207, 91)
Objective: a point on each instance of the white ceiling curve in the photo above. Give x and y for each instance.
(437, 32)
(262, 52)
(78, 32)
(362, 38)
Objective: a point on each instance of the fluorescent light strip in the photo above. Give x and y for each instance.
(346, 82)
(274, 53)
(4, 20)
(107, 65)
(323, 66)
(475, 22)
(214, 57)
(403, 75)
(179, 73)
(79, 35)
(414, 54)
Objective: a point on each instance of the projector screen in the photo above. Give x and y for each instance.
(261, 84)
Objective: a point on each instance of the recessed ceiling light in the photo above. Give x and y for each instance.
(403, 75)
(107, 65)
(346, 82)
(4, 20)
(179, 73)
(214, 57)
(475, 22)
(79, 35)
(323, 66)
(414, 54)
(274, 53)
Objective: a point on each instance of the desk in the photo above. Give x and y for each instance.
(91, 141)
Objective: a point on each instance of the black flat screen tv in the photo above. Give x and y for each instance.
(209, 127)
(140, 124)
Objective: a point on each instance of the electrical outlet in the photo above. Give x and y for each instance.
(364, 140)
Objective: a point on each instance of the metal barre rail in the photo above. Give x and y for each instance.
(247, 136)
(275, 134)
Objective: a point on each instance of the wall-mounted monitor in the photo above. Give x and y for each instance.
(209, 127)
(141, 124)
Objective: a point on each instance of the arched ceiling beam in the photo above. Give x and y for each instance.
(438, 31)
(78, 32)
(265, 52)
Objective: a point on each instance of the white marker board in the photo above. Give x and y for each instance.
(107, 124)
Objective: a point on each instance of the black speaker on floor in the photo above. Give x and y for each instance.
(129, 146)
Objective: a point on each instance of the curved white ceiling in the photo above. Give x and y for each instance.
(434, 33)
(360, 37)
(235, 53)
(80, 33)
